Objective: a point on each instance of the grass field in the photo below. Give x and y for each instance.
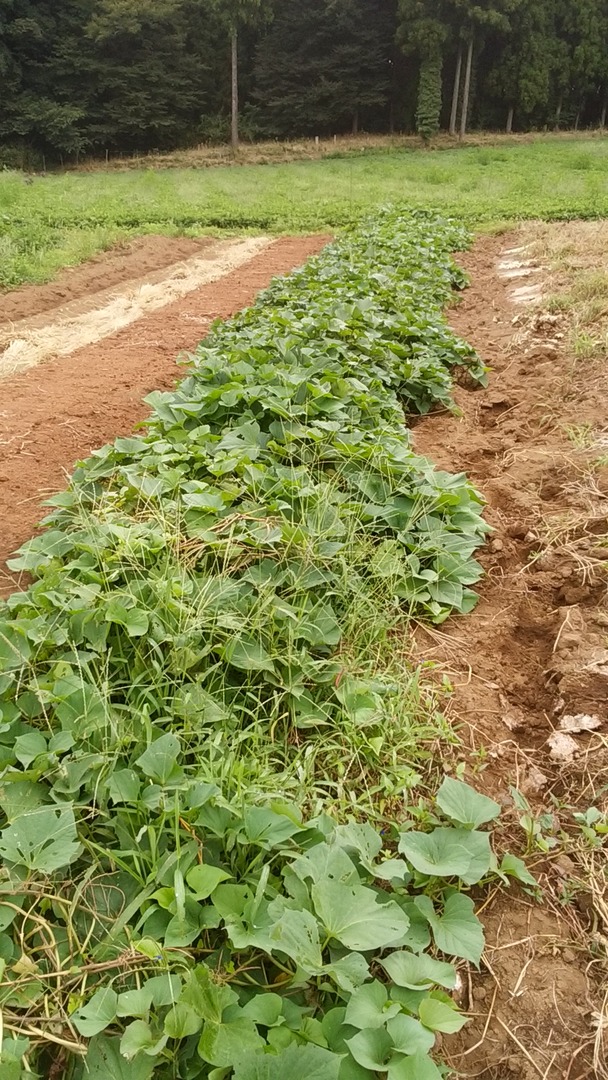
(61, 219)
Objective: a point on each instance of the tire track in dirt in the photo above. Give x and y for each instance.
(55, 414)
(520, 661)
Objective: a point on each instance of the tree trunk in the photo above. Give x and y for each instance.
(510, 119)
(603, 116)
(456, 92)
(577, 121)
(356, 122)
(234, 134)
(467, 90)
(558, 112)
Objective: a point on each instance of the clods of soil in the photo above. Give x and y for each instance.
(530, 671)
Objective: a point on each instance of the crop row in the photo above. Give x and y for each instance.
(200, 588)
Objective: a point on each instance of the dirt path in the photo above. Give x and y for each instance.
(126, 262)
(56, 413)
(530, 658)
(86, 320)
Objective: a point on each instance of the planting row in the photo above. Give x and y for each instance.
(218, 614)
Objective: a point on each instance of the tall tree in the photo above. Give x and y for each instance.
(236, 14)
(36, 109)
(456, 90)
(521, 74)
(588, 34)
(144, 81)
(422, 31)
(475, 18)
(322, 66)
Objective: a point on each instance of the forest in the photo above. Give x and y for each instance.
(85, 77)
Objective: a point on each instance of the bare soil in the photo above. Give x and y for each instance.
(57, 413)
(126, 262)
(84, 321)
(532, 653)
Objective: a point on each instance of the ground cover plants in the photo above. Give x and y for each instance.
(60, 219)
(212, 862)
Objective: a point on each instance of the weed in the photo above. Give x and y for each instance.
(582, 162)
(581, 436)
(539, 829)
(593, 825)
(585, 346)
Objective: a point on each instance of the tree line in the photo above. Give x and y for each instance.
(88, 76)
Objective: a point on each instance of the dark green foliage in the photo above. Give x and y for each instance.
(323, 67)
(80, 76)
(86, 76)
(422, 32)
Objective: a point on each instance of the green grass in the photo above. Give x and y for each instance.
(59, 220)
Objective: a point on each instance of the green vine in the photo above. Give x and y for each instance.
(428, 112)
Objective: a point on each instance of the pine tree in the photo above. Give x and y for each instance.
(475, 19)
(521, 75)
(145, 81)
(36, 110)
(235, 14)
(321, 66)
(588, 33)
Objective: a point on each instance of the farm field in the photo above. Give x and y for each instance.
(304, 737)
(96, 389)
(61, 219)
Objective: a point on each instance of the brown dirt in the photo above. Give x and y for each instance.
(126, 262)
(533, 651)
(57, 413)
(80, 323)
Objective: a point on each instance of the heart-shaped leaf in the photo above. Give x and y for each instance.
(457, 931)
(372, 1048)
(417, 1067)
(369, 1006)
(418, 972)
(204, 879)
(438, 1016)
(465, 805)
(353, 915)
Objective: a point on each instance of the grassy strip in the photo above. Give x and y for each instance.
(59, 219)
(211, 630)
(282, 152)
